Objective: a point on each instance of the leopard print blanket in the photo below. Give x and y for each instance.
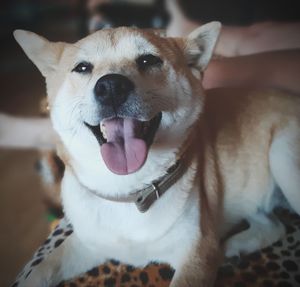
(277, 265)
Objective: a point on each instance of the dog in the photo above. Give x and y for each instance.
(156, 170)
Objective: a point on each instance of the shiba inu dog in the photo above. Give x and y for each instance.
(155, 171)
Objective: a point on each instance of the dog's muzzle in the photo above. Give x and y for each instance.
(123, 137)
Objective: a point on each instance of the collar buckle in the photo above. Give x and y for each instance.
(156, 190)
(146, 197)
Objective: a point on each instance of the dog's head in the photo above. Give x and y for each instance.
(119, 95)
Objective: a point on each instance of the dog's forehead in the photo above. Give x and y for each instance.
(115, 44)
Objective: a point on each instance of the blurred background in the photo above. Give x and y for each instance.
(24, 216)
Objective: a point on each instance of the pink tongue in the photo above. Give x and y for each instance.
(124, 151)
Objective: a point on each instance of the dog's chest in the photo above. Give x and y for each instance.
(119, 229)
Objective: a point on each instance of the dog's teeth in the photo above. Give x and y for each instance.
(103, 130)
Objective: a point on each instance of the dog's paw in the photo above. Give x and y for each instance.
(236, 247)
(261, 233)
(232, 249)
(241, 243)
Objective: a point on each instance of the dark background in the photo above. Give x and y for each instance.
(241, 12)
(23, 221)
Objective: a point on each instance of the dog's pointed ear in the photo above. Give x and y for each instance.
(43, 53)
(200, 45)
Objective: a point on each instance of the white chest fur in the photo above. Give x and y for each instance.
(118, 230)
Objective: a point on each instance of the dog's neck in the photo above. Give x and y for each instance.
(128, 188)
(147, 196)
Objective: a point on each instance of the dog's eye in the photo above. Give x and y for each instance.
(83, 68)
(147, 61)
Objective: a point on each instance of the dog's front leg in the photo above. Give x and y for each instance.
(62, 257)
(200, 267)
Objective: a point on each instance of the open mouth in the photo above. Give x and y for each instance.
(125, 142)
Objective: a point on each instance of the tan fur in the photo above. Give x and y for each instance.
(243, 123)
(234, 121)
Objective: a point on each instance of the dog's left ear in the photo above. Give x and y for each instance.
(43, 53)
(200, 45)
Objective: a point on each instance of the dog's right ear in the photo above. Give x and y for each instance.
(43, 53)
(200, 45)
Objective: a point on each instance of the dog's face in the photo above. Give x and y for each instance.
(118, 95)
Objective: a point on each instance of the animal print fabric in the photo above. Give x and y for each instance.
(56, 238)
(275, 266)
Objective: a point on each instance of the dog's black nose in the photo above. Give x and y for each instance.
(113, 89)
